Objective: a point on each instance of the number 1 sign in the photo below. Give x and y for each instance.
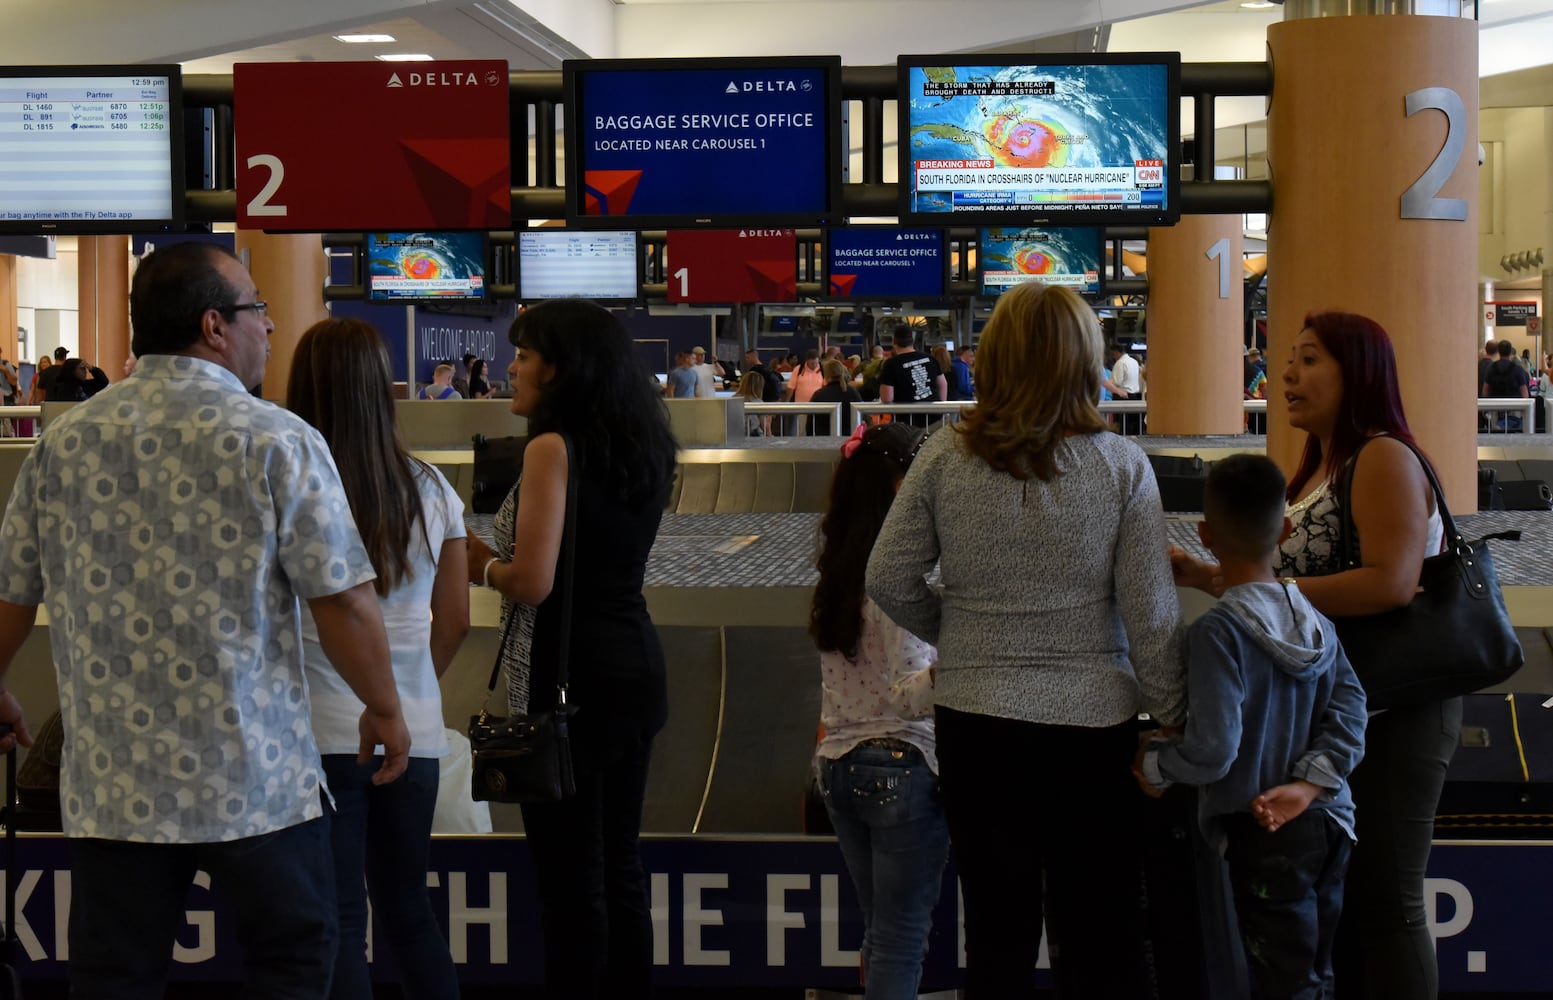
(732, 265)
(372, 145)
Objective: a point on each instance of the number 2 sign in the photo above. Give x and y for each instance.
(372, 145)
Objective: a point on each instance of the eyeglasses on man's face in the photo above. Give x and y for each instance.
(259, 306)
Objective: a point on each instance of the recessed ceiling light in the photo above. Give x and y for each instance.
(1259, 5)
(405, 57)
(362, 39)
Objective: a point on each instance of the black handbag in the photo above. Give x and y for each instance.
(1454, 638)
(528, 758)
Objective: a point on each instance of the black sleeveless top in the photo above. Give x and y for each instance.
(616, 668)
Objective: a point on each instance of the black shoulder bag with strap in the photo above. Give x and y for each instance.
(1453, 638)
(528, 758)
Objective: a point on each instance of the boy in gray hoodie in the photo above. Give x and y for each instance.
(1275, 723)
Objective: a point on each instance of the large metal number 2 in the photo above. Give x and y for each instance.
(1419, 201)
(1220, 252)
(260, 205)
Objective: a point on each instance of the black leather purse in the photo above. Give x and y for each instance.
(1454, 638)
(528, 758)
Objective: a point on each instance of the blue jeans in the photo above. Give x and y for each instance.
(384, 831)
(129, 900)
(1288, 895)
(885, 808)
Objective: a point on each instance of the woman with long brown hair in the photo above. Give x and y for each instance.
(412, 525)
(1056, 623)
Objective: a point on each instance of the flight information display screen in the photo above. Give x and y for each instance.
(1053, 140)
(1052, 256)
(90, 149)
(556, 264)
(702, 141)
(425, 266)
(879, 262)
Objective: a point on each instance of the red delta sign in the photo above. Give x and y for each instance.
(732, 265)
(372, 145)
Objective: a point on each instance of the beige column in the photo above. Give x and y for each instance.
(1353, 172)
(1196, 327)
(8, 305)
(102, 291)
(289, 270)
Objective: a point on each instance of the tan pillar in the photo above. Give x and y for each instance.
(8, 311)
(1196, 322)
(289, 270)
(102, 292)
(1343, 150)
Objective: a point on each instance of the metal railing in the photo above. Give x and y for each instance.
(796, 427)
(950, 412)
(10, 414)
(1499, 413)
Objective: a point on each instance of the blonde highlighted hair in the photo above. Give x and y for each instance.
(1037, 380)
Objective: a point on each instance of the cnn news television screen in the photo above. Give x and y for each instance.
(1052, 256)
(1048, 139)
(427, 266)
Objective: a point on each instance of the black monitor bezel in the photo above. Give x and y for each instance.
(981, 281)
(830, 66)
(517, 263)
(943, 254)
(1034, 217)
(176, 179)
(486, 261)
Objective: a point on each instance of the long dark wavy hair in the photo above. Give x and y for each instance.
(341, 382)
(861, 492)
(602, 394)
(1372, 400)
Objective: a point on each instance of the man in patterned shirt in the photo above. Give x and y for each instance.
(171, 526)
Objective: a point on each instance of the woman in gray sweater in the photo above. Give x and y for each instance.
(1056, 622)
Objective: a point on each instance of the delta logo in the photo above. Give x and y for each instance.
(438, 79)
(767, 86)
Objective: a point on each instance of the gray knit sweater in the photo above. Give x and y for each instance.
(1056, 604)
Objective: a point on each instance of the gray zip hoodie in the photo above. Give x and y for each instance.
(1270, 699)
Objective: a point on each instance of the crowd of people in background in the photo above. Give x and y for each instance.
(949, 653)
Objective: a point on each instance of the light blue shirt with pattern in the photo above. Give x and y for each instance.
(171, 524)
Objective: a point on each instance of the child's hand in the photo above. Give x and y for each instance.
(1137, 766)
(1189, 571)
(1278, 805)
(1143, 783)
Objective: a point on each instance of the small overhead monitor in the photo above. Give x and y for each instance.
(676, 143)
(431, 266)
(1053, 255)
(91, 150)
(1048, 139)
(561, 264)
(885, 262)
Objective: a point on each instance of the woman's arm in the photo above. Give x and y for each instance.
(529, 575)
(449, 604)
(1391, 516)
(904, 554)
(1146, 599)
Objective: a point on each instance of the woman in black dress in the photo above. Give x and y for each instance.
(577, 374)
